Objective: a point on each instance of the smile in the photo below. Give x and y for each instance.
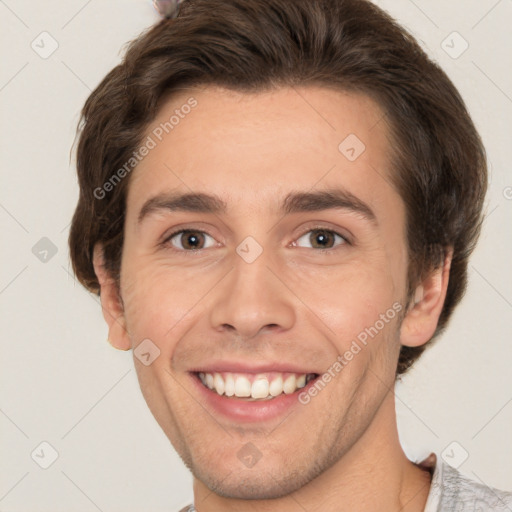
(261, 386)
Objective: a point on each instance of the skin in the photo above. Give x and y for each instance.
(296, 302)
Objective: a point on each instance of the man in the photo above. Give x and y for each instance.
(278, 200)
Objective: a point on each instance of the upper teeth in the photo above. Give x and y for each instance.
(262, 386)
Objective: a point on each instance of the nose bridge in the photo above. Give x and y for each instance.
(252, 297)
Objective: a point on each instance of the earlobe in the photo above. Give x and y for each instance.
(420, 322)
(111, 304)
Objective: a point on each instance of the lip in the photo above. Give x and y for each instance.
(242, 367)
(243, 411)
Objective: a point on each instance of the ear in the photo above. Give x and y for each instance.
(111, 303)
(422, 318)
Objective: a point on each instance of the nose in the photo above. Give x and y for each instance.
(251, 299)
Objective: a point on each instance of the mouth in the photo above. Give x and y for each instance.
(252, 392)
(254, 387)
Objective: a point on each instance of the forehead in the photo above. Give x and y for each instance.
(254, 148)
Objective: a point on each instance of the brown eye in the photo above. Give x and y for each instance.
(189, 240)
(320, 239)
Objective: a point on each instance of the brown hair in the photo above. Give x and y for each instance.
(252, 45)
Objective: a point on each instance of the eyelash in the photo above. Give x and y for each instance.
(167, 241)
(328, 230)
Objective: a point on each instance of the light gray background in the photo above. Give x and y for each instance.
(60, 380)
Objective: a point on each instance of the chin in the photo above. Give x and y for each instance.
(250, 488)
(254, 484)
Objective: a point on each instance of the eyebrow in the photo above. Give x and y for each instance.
(325, 200)
(294, 202)
(191, 202)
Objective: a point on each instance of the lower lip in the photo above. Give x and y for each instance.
(243, 411)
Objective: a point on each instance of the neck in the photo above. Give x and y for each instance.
(373, 475)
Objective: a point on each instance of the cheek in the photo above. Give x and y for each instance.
(348, 298)
(161, 300)
(149, 299)
(357, 306)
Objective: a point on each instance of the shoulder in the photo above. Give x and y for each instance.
(452, 491)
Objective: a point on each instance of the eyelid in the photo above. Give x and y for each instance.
(202, 227)
(179, 234)
(317, 227)
(324, 250)
(167, 237)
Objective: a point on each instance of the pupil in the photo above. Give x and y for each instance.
(192, 240)
(322, 239)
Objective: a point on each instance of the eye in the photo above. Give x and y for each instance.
(189, 240)
(320, 239)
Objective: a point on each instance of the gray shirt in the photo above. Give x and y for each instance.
(450, 491)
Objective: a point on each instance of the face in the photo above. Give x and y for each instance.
(262, 246)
